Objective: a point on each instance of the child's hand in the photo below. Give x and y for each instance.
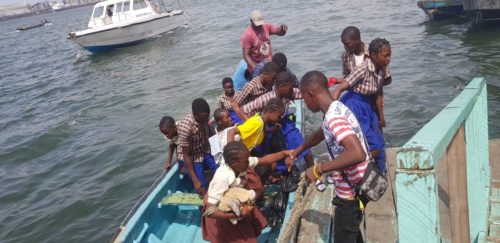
(167, 166)
(246, 210)
(290, 159)
(381, 123)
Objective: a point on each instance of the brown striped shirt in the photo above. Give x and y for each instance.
(252, 90)
(258, 104)
(225, 101)
(195, 135)
(349, 64)
(364, 80)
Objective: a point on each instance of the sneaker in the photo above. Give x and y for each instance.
(320, 186)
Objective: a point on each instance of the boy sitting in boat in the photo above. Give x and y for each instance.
(168, 127)
(227, 97)
(363, 84)
(219, 140)
(280, 60)
(195, 149)
(285, 91)
(257, 86)
(224, 193)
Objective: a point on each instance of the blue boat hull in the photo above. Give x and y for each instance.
(97, 49)
(442, 9)
(151, 222)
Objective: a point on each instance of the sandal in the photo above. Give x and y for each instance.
(320, 186)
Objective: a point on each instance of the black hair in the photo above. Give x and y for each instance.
(270, 67)
(218, 113)
(232, 150)
(314, 79)
(377, 45)
(226, 80)
(351, 32)
(200, 105)
(280, 59)
(166, 122)
(274, 105)
(284, 78)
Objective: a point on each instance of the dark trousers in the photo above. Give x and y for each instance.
(347, 220)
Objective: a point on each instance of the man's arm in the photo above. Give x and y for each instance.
(353, 154)
(188, 160)
(280, 31)
(170, 155)
(239, 111)
(310, 141)
(248, 59)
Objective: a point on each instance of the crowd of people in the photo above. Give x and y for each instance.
(255, 135)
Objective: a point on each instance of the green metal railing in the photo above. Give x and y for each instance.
(455, 140)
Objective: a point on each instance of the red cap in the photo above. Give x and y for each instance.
(331, 81)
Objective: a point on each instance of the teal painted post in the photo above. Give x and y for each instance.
(416, 184)
(478, 168)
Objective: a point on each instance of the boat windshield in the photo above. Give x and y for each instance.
(126, 6)
(98, 12)
(139, 4)
(119, 7)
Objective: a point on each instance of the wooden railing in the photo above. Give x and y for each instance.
(443, 174)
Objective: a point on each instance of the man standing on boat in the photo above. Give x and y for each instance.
(255, 40)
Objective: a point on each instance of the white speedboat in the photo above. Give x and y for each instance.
(118, 23)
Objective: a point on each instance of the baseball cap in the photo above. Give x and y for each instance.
(256, 17)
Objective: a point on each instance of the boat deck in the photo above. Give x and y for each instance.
(381, 221)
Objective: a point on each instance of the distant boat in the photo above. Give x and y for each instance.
(442, 9)
(42, 23)
(118, 23)
(483, 10)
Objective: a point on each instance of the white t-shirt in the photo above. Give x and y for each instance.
(217, 143)
(225, 178)
(359, 59)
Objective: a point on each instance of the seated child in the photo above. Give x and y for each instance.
(222, 193)
(227, 97)
(168, 127)
(219, 140)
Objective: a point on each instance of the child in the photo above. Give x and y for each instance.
(169, 130)
(257, 86)
(195, 149)
(227, 97)
(226, 180)
(349, 156)
(354, 55)
(363, 84)
(280, 60)
(219, 140)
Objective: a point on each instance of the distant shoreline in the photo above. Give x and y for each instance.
(42, 12)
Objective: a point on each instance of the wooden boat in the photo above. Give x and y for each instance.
(42, 23)
(150, 221)
(442, 9)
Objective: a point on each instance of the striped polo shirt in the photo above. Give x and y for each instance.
(258, 104)
(194, 135)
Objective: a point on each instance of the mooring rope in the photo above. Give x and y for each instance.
(301, 197)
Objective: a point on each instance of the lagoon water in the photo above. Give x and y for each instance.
(79, 141)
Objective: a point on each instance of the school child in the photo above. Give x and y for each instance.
(257, 86)
(283, 89)
(168, 127)
(363, 84)
(238, 161)
(355, 53)
(219, 140)
(280, 60)
(227, 97)
(193, 140)
(349, 155)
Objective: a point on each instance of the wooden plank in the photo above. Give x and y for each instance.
(478, 166)
(457, 174)
(317, 219)
(430, 142)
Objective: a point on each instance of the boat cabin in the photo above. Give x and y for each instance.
(116, 11)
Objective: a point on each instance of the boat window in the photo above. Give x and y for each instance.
(119, 7)
(126, 6)
(98, 12)
(139, 4)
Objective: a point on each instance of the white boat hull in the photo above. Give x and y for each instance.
(124, 35)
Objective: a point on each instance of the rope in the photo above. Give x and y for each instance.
(301, 196)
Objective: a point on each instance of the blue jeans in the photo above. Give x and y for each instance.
(199, 166)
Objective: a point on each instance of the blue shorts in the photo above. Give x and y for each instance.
(208, 162)
(361, 106)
